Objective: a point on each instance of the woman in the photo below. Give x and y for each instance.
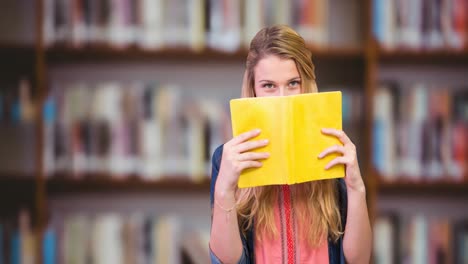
(316, 222)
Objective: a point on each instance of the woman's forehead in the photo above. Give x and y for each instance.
(275, 68)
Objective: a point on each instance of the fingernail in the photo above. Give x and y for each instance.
(320, 156)
(257, 130)
(265, 141)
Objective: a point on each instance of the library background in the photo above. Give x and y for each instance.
(110, 111)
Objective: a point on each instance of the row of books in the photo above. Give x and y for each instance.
(17, 239)
(155, 24)
(353, 117)
(16, 103)
(352, 104)
(420, 132)
(124, 129)
(127, 129)
(116, 238)
(419, 239)
(17, 128)
(421, 24)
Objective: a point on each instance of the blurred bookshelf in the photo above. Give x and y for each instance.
(15, 182)
(103, 53)
(108, 53)
(22, 55)
(18, 51)
(431, 57)
(427, 188)
(60, 184)
(418, 53)
(351, 46)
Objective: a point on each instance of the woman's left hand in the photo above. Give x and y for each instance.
(353, 177)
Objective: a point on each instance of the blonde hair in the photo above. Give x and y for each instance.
(315, 201)
(284, 42)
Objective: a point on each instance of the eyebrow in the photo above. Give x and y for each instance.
(292, 79)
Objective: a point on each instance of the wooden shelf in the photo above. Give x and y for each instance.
(339, 53)
(100, 53)
(429, 57)
(7, 178)
(16, 52)
(106, 53)
(17, 188)
(17, 47)
(62, 184)
(432, 188)
(17, 61)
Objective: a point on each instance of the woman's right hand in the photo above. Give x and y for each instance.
(237, 156)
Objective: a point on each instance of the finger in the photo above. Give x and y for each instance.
(340, 134)
(246, 156)
(332, 149)
(245, 136)
(249, 145)
(250, 164)
(336, 161)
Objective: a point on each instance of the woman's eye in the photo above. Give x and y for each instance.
(268, 85)
(294, 84)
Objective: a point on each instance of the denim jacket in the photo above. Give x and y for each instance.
(335, 250)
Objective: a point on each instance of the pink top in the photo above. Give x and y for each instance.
(289, 248)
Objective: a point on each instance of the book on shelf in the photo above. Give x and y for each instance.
(130, 128)
(385, 240)
(223, 27)
(27, 238)
(148, 24)
(419, 238)
(17, 128)
(312, 21)
(16, 102)
(49, 245)
(420, 24)
(120, 238)
(461, 242)
(292, 124)
(196, 24)
(420, 132)
(150, 31)
(196, 245)
(352, 116)
(17, 239)
(183, 23)
(18, 23)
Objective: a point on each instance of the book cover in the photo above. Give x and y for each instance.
(254, 19)
(313, 22)
(49, 247)
(150, 135)
(293, 126)
(152, 26)
(385, 240)
(460, 241)
(195, 245)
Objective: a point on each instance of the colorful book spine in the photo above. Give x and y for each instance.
(116, 237)
(196, 24)
(419, 133)
(49, 245)
(420, 24)
(123, 129)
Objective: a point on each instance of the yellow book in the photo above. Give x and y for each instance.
(292, 124)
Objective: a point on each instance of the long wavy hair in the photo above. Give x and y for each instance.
(314, 203)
